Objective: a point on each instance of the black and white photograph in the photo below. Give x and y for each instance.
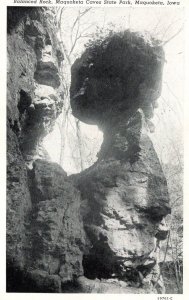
(95, 148)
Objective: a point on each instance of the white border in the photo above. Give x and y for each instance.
(3, 294)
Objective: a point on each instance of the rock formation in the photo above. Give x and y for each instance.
(34, 58)
(44, 229)
(97, 231)
(115, 85)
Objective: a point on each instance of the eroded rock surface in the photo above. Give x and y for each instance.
(115, 84)
(56, 232)
(98, 231)
(44, 230)
(120, 73)
(35, 94)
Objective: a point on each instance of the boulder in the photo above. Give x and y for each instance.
(115, 84)
(118, 73)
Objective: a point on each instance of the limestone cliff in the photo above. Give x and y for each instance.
(44, 230)
(34, 58)
(97, 231)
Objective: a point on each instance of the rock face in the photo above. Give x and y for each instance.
(97, 231)
(120, 73)
(44, 230)
(34, 58)
(115, 85)
(56, 232)
(57, 226)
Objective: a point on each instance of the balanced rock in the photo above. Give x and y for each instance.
(115, 84)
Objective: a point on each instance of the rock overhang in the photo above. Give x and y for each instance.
(119, 73)
(34, 79)
(122, 198)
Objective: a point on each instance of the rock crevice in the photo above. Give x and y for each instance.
(34, 58)
(97, 231)
(45, 236)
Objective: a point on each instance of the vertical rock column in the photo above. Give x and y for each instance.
(56, 231)
(45, 237)
(34, 101)
(34, 83)
(115, 84)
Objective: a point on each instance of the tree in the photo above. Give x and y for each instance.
(78, 31)
(75, 28)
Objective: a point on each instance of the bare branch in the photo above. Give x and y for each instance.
(66, 53)
(173, 36)
(156, 26)
(85, 11)
(172, 109)
(173, 94)
(76, 37)
(169, 26)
